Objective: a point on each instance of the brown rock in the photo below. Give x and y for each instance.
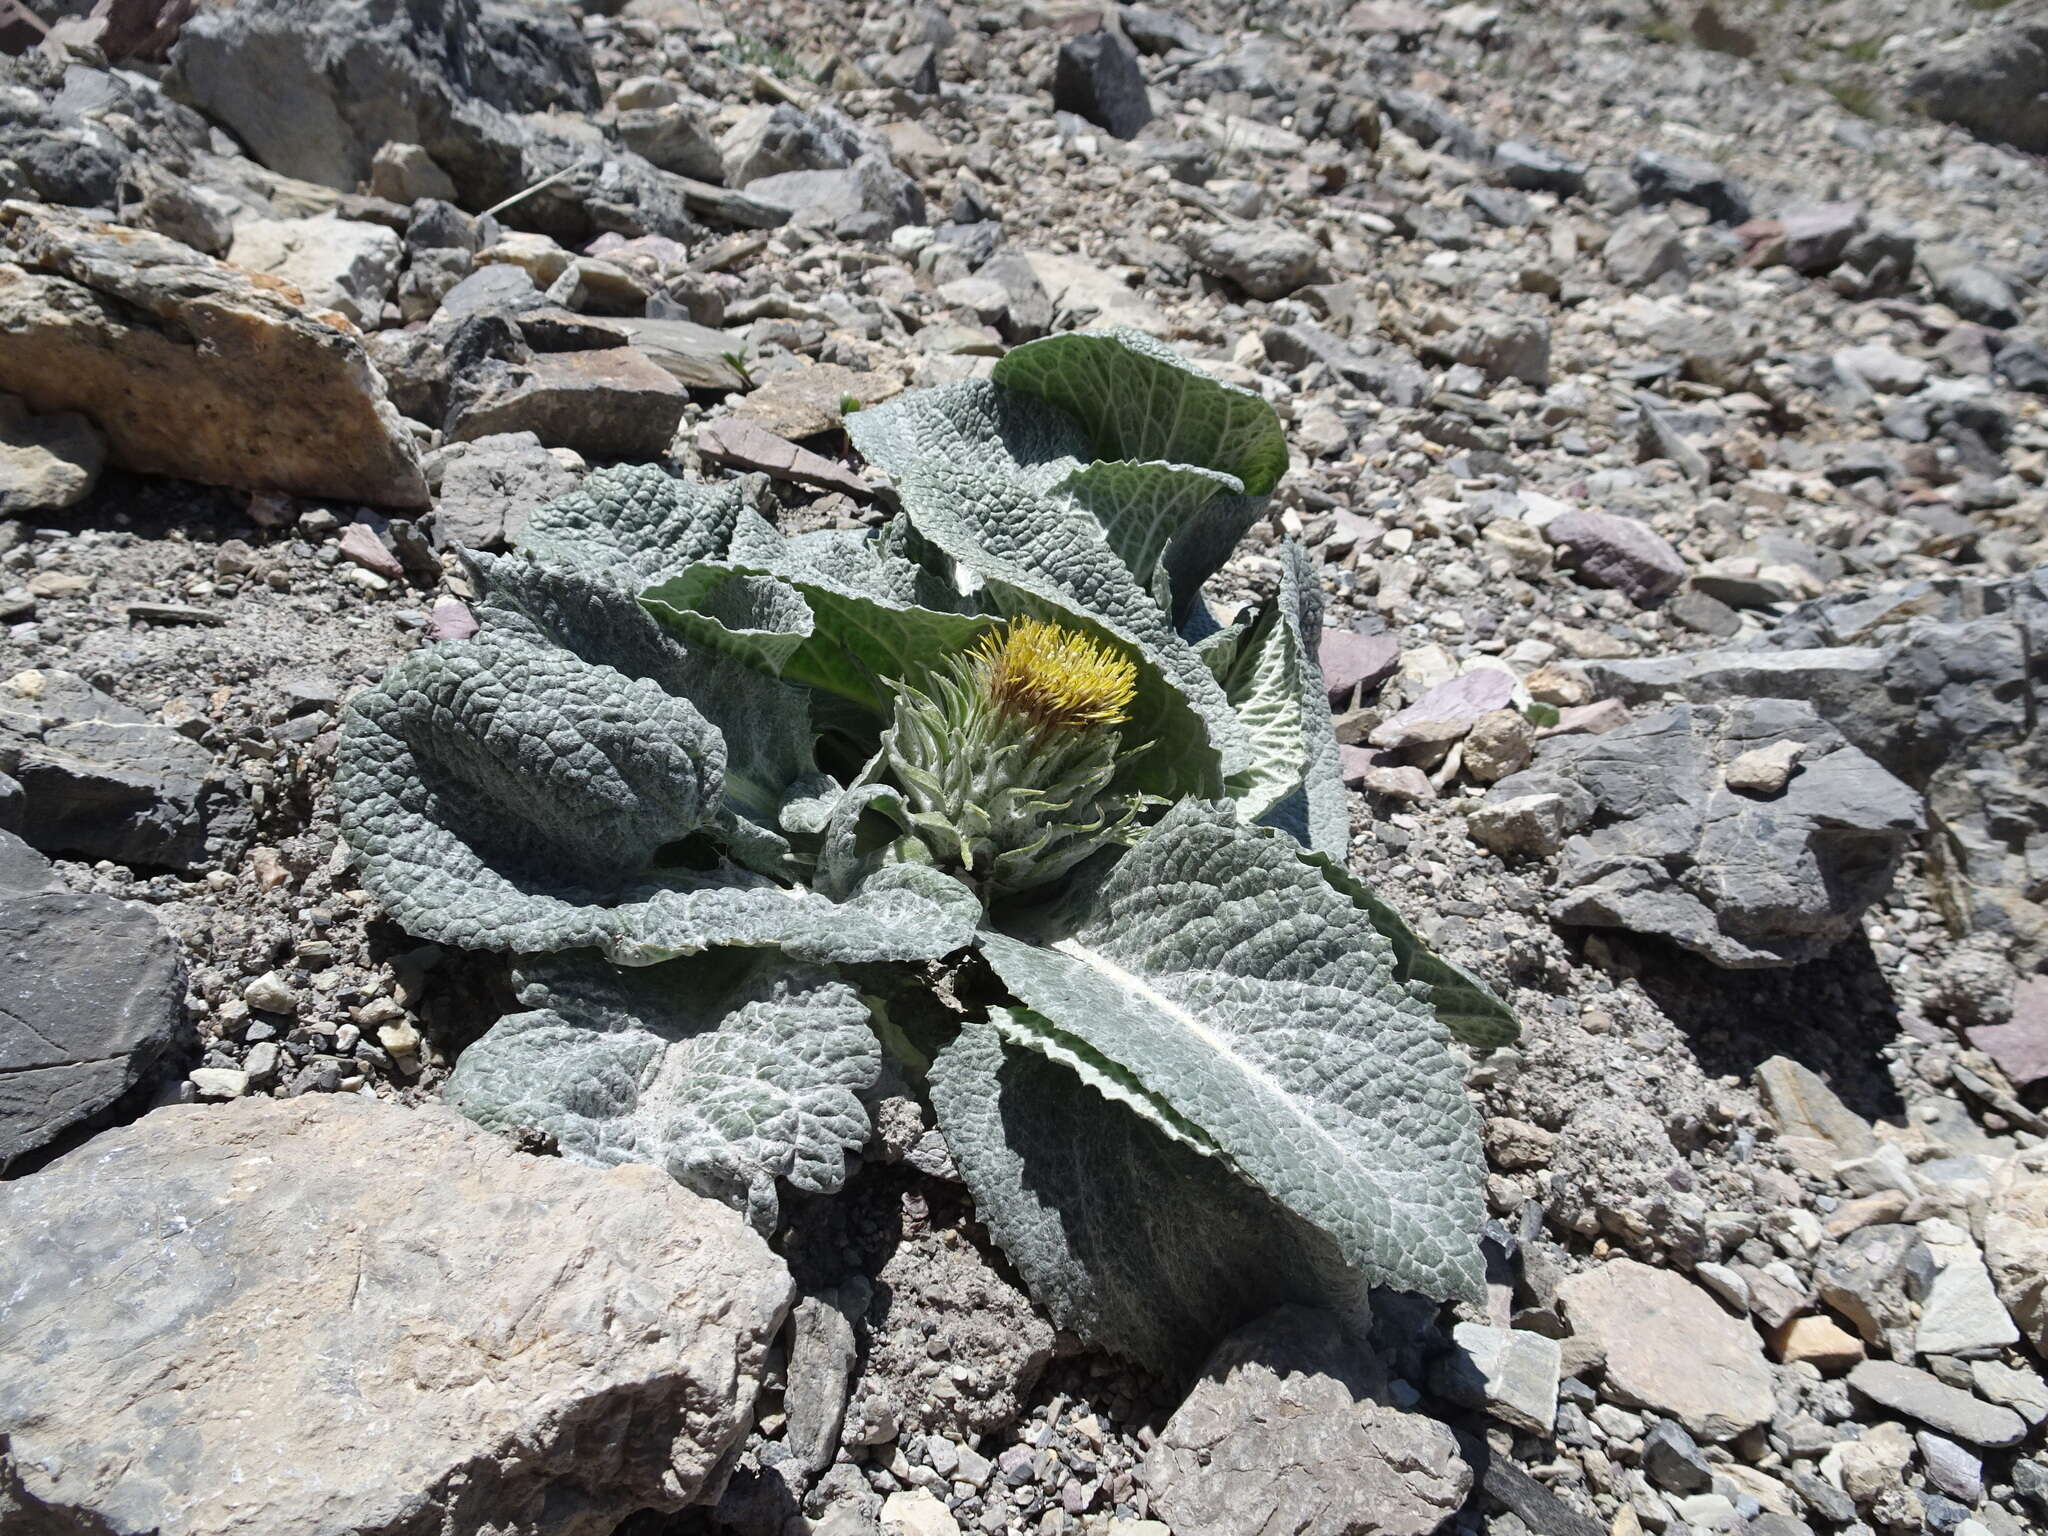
(738, 443)
(611, 403)
(192, 368)
(1817, 1341)
(803, 402)
(1671, 1348)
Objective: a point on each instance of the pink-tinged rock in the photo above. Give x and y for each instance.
(1397, 784)
(1595, 719)
(1354, 661)
(1816, 237)
(451, 620)
(2020, 1047)
(1355, 762)
(1619, 552)
(1445, 708)
(362, 546)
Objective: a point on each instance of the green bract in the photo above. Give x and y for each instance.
(691, 768)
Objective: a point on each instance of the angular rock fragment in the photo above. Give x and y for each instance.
(1097, 77)
(1671, 1349)
(100, 780)
(342, 265)
(401, 1321)
(46, 462)
(1619, 552)
(92, 1003)
(1284, 1430)
(611, 403)
(1672, 850)
(191, 367)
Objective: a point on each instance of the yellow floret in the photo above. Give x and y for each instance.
(1054, 679)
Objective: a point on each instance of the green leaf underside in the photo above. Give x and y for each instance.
(838, 642)
(1464, 1004)
(505, 796)
(1040, 559)
(1232, 983)
(1139, 399)
(729, 1071)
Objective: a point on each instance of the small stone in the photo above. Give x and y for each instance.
(1097, 77)
(917, 1512)
(1355, 663)
(1268, 261)
(219, 1082)
(47, 462)
(1512, 1373)
(1950, 1468)
(1526, 826)
(272, 994)
(451, 620)
(1764, 771)
(1918, 1395)
(1393, 783)
(1674, 1461)
(1618, 552)
(1457, 704)
(1499, 743)
(361, 546)
(1816, 1341)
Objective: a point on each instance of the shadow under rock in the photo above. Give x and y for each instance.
(1832, 1015)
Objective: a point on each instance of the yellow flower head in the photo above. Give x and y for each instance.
(1054, 679)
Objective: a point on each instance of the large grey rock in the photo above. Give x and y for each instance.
(1995, 84)
(92, 1000)
(1097, 77)
(191, 367)
(491, 485)
(1944, 683)
(1671, 1348)
(2016, 1241)
(1866, 1278)
(328, 1314)
(774, 140)
(103, 781)
(1671, 849)
(314, 88)
(1642, 248)
(1918, 1395)
(1268, 261)
(610, 403)
(871, 189)
(1284, 1433)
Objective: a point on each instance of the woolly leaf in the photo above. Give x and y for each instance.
(1139, 399)
(731, 1071)
(1129, 1237)
(1232, 983)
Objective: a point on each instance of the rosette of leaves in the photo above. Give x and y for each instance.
(725, 793)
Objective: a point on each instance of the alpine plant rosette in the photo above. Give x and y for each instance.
(722, 795)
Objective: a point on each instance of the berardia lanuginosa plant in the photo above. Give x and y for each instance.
(725, 796)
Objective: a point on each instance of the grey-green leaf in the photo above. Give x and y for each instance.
(1139, 399)
(632, 524)
(1464, 1004)
(1004, 432)
(1133, 1240)
(502, 795)
(1175, 521)
(1235, 984)
(730, 1071)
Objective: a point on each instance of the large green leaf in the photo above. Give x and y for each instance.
(631, 524)
(1464, 1004)
(1001, 431)
(836, 640)
(1172, 525)
(1035, 556)
(1228, 981)
(502, 795)
(730, 1071)
(1139, 399)
(1131, 1237)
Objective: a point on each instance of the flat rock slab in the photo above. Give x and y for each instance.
(1918, 1395)
(1281, 1433)
(802, 402)
(101, 780)
(330, 1315)
(192, 367)
(92, 998)
(738, 443)
(1670, 1348)
(608, 403)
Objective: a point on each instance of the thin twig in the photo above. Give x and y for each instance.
(544, 182)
